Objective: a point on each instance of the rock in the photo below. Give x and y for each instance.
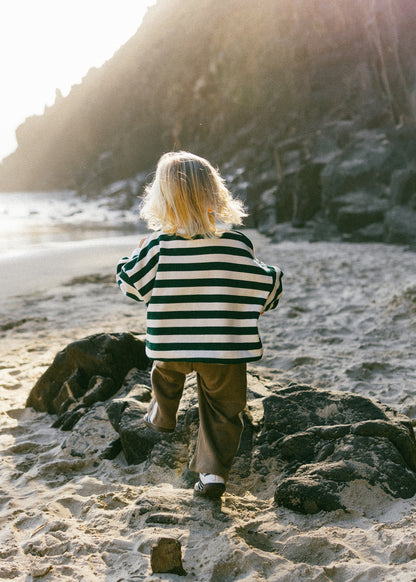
(357, 210)
(266, 210)
(318, 441)
(400, 224)
(107, 355)
(313, 443)
(353, 187)
(166, 557)
(140, 443)
(307, 193)
(307, 495)
(92, 436)
(364, 164)
(40, 569)
(125, 414)
(99, 389)
(113, 449)
(402, 186)
(65, 398)
(167, 518)
(68, 420)
(329, 439)
(136, 438)
(374, 232)
(369, 183)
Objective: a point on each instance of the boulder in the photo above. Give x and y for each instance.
(315, 442)
(67, 380)
(400, 224)
(356, 210)
(344, 183)
(309, 445)
(365, 164)
(403, 186)
(329, 439)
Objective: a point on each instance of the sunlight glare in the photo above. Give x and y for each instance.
(51, 44)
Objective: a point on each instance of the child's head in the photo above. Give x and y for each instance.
(189, 197)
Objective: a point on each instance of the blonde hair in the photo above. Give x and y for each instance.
(189, 197)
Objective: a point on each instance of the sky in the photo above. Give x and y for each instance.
(51, 44)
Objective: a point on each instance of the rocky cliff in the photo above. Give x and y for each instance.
(308, 108)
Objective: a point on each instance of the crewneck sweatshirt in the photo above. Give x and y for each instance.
(204, 296)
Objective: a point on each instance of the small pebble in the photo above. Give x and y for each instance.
(166, 556)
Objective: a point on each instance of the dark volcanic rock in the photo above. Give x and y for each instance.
(400, 225)
(403, 186)
(110, 356)
(320, 440)
(357, 210)
(137, 440)
(314, 443)
(330, 439)
(353, 185)
(368, 187)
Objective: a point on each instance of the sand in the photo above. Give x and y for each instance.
(346, 322)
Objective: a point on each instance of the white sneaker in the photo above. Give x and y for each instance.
(209, 485)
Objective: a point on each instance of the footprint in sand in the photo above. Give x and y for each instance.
(8, 381)
(366, 370)
(302, 361)
(15, 386)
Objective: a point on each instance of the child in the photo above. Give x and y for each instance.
(204, 290)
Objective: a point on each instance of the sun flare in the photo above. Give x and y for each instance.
(48, 45)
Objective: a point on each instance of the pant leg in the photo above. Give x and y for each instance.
(168, 379)
(222, 396)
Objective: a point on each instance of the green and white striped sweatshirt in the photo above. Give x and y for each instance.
(203, 296)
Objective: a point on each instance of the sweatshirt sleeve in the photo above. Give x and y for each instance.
(276, 273)
(276, 291)
(136, 274)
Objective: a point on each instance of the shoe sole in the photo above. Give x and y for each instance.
(211, 490)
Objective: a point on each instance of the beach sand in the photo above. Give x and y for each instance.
(346, 322)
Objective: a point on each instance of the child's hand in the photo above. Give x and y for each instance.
(141, 242)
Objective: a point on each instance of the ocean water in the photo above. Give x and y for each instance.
(37, 220)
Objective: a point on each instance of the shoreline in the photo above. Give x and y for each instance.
(48, 265)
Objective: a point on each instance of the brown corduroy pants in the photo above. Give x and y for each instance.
(222, 394)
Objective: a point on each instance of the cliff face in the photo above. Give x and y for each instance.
(280, 94)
